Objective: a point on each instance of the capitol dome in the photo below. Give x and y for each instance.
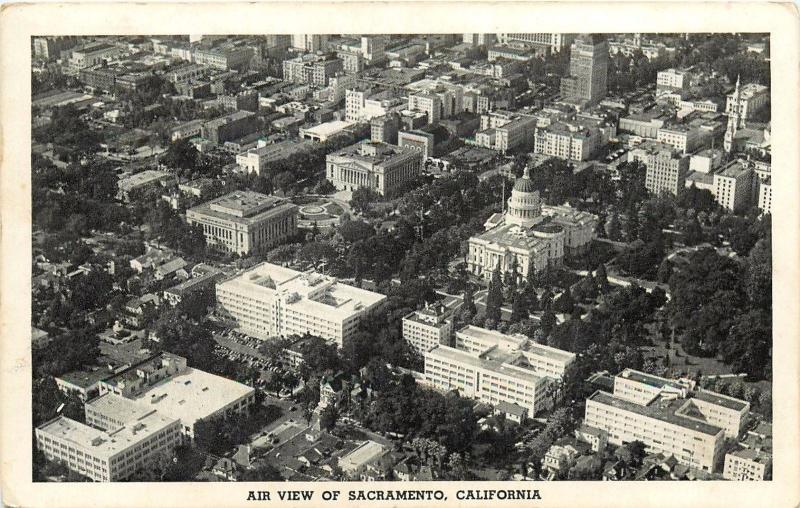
(524, 183)
(524, 206)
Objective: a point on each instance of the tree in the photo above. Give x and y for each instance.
(758, 283)
(664, 271)
(601, 278)
(468, 309)
(548, 321)
(327, 418)
(613, 228)
(564, 304)
(494, 298)
(519, 309)
(261, 472)
(284, 181)
(181, 155)
(362, 198)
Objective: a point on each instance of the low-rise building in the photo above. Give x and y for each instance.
(270, 300)
(417, 140)
(243, 221)
(85, 383)
(567, 141)
(229, 127)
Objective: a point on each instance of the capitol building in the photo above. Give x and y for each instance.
(529, 235)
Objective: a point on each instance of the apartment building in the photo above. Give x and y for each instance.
(243, 221)
(497, 368)
(311, 69)
(112, 453)
(364, 103)
(255, 160)
(89, 55)
(50, 48)
(765, 195)
(427, 328)
(438, 99)
(309, 42)
(666, 166)
(567, 141)
(384, 128)
(478, 39)
(747, 464)
(269, 300)
(379, 166)
(503, 131)
(671, 80)
(426, 102)
(668, 416)
(733, 184)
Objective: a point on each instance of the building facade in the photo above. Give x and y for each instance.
(668, 416)
(243, 221)
(666, 167)
(529, 235)
(269, 300)
(733, 185)
(377, 166)
(588, 69)
(428, 328)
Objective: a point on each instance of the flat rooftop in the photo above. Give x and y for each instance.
(192, 395)
(328, 128)
(720, 400)
(366, 452)
(659, 409)
(243, 207)
(86, 378)
(318, 294)
(732, 170)
(143, 178)
(104, 444)
(119, 408)
(648, 379)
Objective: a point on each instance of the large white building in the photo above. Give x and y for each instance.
(427, 328)
(112, 448)
(670, 80)
(765, 195)
(378, 166)
(529, 235)
(555, 42)
(669, 417)
(165, 383)
(270, 300)
(498, 369)
(244, 220)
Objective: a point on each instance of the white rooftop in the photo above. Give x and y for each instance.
(315, 293)
(192, 395)
(107, 444)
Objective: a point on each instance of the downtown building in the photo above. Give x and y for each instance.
(165, 383)
(529, 235)
(428, 328)
(270, 300)
(666, 166)
(669, 417)
(243, 221)
(511, 372)
(505, 130)
(567, 141)
(588, 70)
(311, 69)
(132, 439)
(554, 42)
(381, 167)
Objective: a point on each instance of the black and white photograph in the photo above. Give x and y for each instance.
(401, 257)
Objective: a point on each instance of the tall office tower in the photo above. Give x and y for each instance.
(309, 42)
(588, 69)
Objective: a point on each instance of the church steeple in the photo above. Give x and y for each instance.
(735, 119)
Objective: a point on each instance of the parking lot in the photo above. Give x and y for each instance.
(243, 349)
